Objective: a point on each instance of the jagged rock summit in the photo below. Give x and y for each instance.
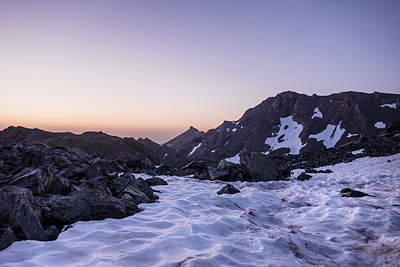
(289, 123)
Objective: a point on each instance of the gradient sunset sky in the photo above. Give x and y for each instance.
(153, 68)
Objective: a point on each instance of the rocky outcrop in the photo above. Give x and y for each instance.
(134, 154)
(20, 215)
(44, 188)
(253, 167)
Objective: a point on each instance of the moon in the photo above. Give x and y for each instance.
(101, 35)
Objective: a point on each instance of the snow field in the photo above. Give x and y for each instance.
(284, 223)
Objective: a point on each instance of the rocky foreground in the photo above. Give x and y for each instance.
(43, 189)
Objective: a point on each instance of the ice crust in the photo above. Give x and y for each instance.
(284, 223)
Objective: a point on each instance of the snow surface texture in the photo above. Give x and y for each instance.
(380, 125)
(284, 223)
(389, 105)
(287, 137)
(317, 113)
(194, 149)
(330, 136)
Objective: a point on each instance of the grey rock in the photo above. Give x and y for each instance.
(347, 192)
(155, 181)
(260, 167)
(6, 237)
(218, 173)
(142, 186)
(303, 176)
(52, 232)
(67, 210)
(228, 189)
(45, 181)
(135, 195)
(60, 186)
(17, 211)
(93, 171)
(39, 181)
(119, 183)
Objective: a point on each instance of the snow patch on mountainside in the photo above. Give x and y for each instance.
(317, 113)
(356, 152)
(389, 105)
(194, 149)
(330, 136)
(235, 159)
(287, 137)
(351, 135)
(380, 125)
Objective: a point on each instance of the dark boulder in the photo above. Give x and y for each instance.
(347, 192)
(318, 171)
(39, 181)
(228, 189)
(6, 237)
(119, 183)
(17, 210)
(45, 182)
(66, 210)
(52, 232)
(220, 174)
(61, 186)
(303, 176)
(165, 170)
(142, 186)
(136, 196)
(260, 167)
(94, 171)
(155, 181)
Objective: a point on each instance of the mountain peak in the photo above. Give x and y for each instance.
(291, 123)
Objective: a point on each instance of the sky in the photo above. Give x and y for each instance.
(155, 68)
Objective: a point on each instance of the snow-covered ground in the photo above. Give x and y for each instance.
(290, 223)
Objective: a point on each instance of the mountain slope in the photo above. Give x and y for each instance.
(291, 123)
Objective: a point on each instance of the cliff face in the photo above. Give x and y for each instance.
(290, 123)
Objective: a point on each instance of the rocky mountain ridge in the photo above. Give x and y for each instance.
(289, 123)
(141, 153)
